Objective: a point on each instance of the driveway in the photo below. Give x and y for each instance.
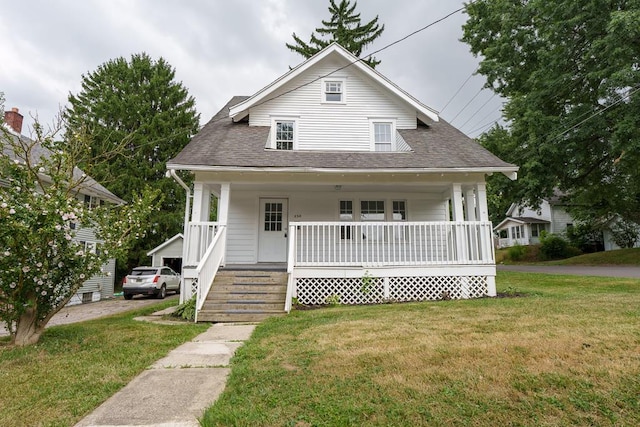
(576, 270)
(94, 310)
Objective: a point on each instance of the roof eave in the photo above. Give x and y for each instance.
(206, 168)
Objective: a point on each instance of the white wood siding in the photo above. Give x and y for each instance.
(560, 218)
(243, 223)
(242, 228)
(330, 126)
(101, 285)
(172, 250)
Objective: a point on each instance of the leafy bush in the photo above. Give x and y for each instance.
(186, 310)
(625, 233)
(586, 237)
(555, 247)
(516, 253)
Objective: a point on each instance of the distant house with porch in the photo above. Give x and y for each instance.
(92, 193)
(523, 225)
(344, 182)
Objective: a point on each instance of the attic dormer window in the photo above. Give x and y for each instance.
(333, 91)
(383, 135)
(284, 134)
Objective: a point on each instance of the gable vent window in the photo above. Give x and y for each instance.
(383, 136)
(284, 135)
(333, 91)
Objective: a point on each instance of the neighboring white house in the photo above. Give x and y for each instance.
(92, 194)
(523, 225)
(335, 173)
(169, 253)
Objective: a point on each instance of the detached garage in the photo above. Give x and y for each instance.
(168, 254)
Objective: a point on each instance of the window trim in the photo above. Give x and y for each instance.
(372, 134)
(274, 123)
(323, 90)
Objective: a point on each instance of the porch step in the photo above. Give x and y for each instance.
(245, 296)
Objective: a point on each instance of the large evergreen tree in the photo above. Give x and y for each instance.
(570, 72)
(137, 113)
(344, 28)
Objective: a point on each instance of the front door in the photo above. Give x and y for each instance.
(272, 239)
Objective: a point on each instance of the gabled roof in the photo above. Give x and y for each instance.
(240, 110)
(520, 220)
(165, 244)
(89, 185)
(225, 145)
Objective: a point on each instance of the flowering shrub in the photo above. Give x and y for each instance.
(42, 265)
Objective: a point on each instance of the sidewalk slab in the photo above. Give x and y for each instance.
(226, 332)
(176, 397)
(198, 355)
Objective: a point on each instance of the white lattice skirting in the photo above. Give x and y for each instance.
(376, 290)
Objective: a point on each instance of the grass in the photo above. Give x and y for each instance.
(626, 257)
(567, 353)
(74, 368)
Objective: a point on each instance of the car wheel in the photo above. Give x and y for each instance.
(128, 296)
(163, 292)
(178, 290)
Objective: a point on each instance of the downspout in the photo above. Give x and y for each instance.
(187, 208)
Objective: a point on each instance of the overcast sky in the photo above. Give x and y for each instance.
(222, 48)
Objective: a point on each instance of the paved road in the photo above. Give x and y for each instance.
(94, 310)
(576, 270)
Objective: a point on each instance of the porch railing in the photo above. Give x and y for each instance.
(209, 265)
(198, 239)
(391, 243)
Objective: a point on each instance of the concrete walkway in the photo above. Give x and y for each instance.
(175, 390)
(577, 270)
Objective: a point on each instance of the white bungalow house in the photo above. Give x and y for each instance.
(92, 193)
(356, 190)
(523, 225)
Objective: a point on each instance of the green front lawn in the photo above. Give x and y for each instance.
(74, 368)
(565, 353)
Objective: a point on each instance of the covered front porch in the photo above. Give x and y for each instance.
(353, 243)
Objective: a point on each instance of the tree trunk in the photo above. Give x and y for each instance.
(28, 330)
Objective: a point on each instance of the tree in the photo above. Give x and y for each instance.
(139, 102)
(42, 264)
(569, 71)
(343, 28)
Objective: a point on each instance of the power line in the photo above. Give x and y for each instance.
(478, 110)
(482, 119)
(466, 105)
(458, 91)
(597, 113)
(365, 57)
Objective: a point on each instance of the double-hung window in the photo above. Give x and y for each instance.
(383, 135)
(284, 134)
(333, 91)
(372, 210)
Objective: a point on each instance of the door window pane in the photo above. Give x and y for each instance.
(273, 217)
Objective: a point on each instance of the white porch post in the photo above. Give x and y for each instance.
(223, 211)
(456, 202)
(481, 202)
(201, 202)
(458, 217)
(470, 204)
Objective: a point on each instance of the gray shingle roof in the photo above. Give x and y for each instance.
(222, 143)
(89, 185)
